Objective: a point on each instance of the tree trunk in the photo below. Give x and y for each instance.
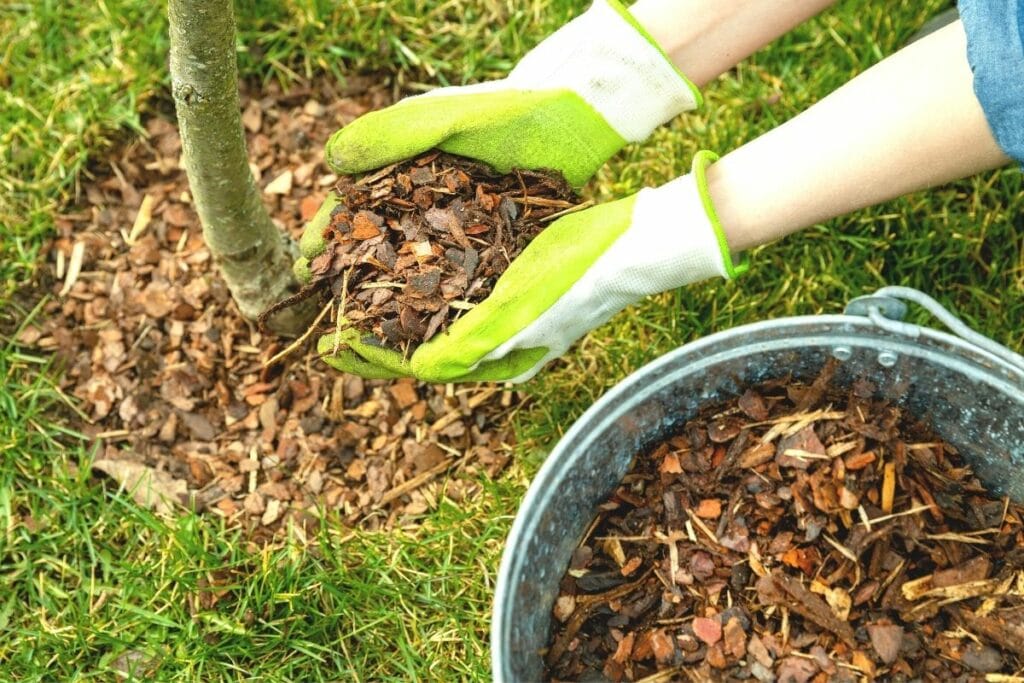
(254, 256)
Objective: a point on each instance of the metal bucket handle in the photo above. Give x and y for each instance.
(886, 309)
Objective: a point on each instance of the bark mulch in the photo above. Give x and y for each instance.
(412, 246)
(797, 533)
(174, 385)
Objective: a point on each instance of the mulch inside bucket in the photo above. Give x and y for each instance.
(800, 532)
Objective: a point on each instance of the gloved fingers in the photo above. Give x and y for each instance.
(312, 243)
(301, 270)
(518, 365)
(349, 361)
(548, 269)
(399, 132)
(347, 351)
(506, 129)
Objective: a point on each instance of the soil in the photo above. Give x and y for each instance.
(413, 246)
(174, 386)
(797, 533)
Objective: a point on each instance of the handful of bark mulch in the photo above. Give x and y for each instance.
(412, 246)
(798, 533)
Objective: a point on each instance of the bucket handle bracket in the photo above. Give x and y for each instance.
(886, 308)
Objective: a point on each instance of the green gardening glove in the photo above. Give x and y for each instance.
(594, 85)
(572, 102)
(574, 276)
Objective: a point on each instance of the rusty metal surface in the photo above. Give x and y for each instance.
(972, 398)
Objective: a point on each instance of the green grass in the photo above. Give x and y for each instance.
(91, 585)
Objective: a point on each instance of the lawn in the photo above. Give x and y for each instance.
(93, 587)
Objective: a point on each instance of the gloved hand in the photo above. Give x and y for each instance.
(572, 102)
(574, 276)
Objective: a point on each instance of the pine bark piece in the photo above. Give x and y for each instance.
(1009, 636)
(786, 591)
(886, 640)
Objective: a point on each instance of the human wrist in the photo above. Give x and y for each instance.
(699, 171)
(706, 39)
(671, 242)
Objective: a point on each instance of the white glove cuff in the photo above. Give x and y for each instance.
(610, 61)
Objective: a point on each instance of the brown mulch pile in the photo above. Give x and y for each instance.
(173, 382)
(412, 246)
(798, 533)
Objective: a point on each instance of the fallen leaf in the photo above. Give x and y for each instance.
(156, 490)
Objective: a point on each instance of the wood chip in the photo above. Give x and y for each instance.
(281, 185)
(142, 219)
(74, 268)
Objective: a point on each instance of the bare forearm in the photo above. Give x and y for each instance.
(910, 122)
(706, 38)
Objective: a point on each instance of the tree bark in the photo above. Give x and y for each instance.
(253, 255)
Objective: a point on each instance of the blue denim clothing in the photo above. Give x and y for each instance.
(995, 50)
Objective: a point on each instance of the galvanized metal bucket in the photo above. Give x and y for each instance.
(970, 389)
